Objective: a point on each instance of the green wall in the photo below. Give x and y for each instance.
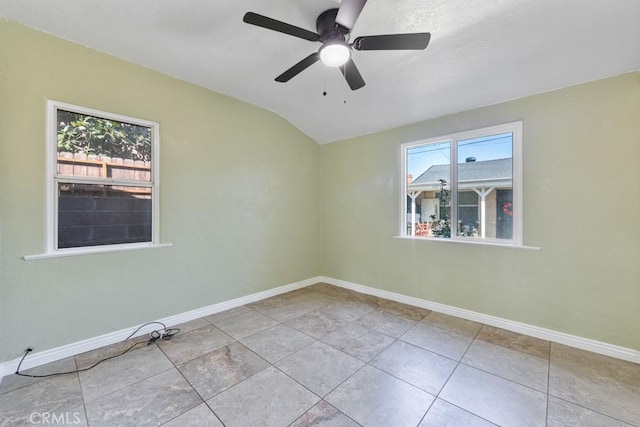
(581, 206)
(250, 203)
(239, 198)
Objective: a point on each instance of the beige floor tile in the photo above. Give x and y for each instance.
(331, 290)
(227, 314)
(448, 342)
(60, 396)
(267, 399)
(444, 414)
(349, 310)
(452, 323)
(200, 416)
(188, 346)
(421, 368)
(495, 399)
(563, 413)
(407, 311)
(324, 415)
(387, 323)
(358, 341)
(90, 358)
(372, 397)
(600, 383)
(285, 307)
(244, 324)
(13, 382)
(317, 323)
(120, 372)
(277, 343)
(223, 368)
(523, 368)
(515, 341)
(319, 367)
(190, 325)
(152, 401)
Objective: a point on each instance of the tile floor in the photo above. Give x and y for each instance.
(325, 356)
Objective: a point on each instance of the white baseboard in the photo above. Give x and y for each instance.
(594, 346)
(58, 353)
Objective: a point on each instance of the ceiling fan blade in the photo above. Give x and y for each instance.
(282, 27)
(352, 75)
(349, 12)
(414, 41)
(298, 68)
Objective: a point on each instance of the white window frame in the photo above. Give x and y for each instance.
(53, 179)
(516, 129)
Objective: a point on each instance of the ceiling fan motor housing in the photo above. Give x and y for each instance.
(328, 29)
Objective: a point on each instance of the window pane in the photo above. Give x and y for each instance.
(428, 176)
(93, 215)
(485, 169)
(90, 146)
(468, 213)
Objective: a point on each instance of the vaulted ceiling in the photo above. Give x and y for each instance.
(480, 53)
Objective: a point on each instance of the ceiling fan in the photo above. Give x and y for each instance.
(333, 27)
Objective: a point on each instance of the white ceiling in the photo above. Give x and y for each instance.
(481, 52)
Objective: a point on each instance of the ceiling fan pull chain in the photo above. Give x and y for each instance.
(324, 82)
(344, 90)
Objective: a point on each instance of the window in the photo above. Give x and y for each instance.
(103, 177)
(466, 186)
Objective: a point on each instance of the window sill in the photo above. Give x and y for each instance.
(96, 250)
(469, 242)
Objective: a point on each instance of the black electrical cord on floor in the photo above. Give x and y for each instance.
(166, 334)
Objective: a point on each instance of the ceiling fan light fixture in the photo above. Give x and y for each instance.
(335, 54)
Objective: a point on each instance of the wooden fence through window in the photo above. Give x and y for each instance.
(116, 168)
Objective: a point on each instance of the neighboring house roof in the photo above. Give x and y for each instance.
(495, 173)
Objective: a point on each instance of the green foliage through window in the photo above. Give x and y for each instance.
(81, 133)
